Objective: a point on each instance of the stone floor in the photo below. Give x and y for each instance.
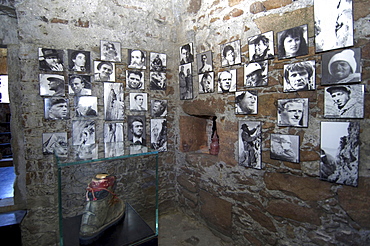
(178, 229)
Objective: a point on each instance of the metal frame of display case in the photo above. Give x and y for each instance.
(60, 208)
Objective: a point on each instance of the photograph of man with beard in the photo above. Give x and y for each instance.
(110, 51)
(137, 59)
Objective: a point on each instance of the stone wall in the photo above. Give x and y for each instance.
(284, 203)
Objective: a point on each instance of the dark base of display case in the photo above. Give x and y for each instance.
(128, 231)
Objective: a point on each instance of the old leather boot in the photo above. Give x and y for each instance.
(103, 208)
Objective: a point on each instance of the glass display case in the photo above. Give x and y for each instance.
(136, 174)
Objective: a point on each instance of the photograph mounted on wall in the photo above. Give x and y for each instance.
(293, 42)
(255, 74)
(300, 76)
(261, 47)
(158, 81)
(206, 82)
(341, 67)
(55, 143)
(246, 102)
(136, 130)
(135, 80)
(333, 24)
(51, 85)
(340, 152)
(4, 91)
(79, 61)
(230, 53)
(136, 59)
(158, 134)
(83, 139)
(51, 59)
(158, 62)
(79, 85)
(158, 108)
(227, 81)
(186, 82)
(86, 106)
(110, 51)
(186, 54)
(284, 147)
(114, 103)
(204, 61)
(293, 112)
(250, 143)
(56, 108)
(113, 139)
(138, 101)
(104, 71)
(344, 101)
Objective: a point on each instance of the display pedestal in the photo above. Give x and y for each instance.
(129, 231)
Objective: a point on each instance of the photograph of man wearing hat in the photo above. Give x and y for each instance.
(255, 75)
(56, 84)
(56, 108)
(341, 67)
(50, 59)
(344, 101)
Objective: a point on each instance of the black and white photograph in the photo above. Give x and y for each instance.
(255, 74)
(293, 112)
(158, 108)
(4, 92)
(341, 66)
(79, 61)
(83, 139)
(114, 103)
(300, 76)
(135, 80)
(186, 54)
(104, 71)
(52, 85)
(55, 143)
(79, 85)
(204, 62)
(230, 53)
(86, 106)
(158, 62)
(110, 51)
(333, 24)
(227, 81)
(158, 134)
(250, 144)
(261, 47)
(51, 59)
(293, 42)
(113, 139)
(186, 82)
(246, 102)
(138, 101)
(137, 149)
(136, 59)
(56, 108)
(206, 82)
(136, 130)
(340, 152)
(284, 147)
(344, 101)
(158, 81)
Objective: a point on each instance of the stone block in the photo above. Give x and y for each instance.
(306, 188)
(257, 7)
(260, 218)
(216, 212)
(186, 183)
(192, 197)
(274, 4)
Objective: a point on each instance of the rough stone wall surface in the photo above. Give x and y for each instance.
(284, 203)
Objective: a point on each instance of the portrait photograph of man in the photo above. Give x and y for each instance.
(158, 62)
(79, 61)
(227, 81)
(206, 82)
(284, 147)
(134, 79)
(110, 51)
(293, 112)
(299, 76)
(158, 108)
(250, 143)
(186, 54)
(261, 47)
(340, 152)
(204, 61)
(136, 59)
(55, 143)
(104, 71)
(56, 108)
(138, 101)
(344, 101)
(79, 85)
(52, 85)
(136, 130)
(86, 106)
(230, 53)
(51, 59)
(246, 102)
(333, 28)
(255, 74)
(341, 66)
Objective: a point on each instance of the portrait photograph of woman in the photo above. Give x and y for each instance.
(293, 42)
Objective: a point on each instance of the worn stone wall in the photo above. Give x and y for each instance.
(284, 203)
